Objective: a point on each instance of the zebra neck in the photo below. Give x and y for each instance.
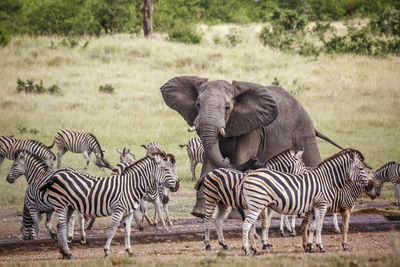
(333, 175)
(385, 175)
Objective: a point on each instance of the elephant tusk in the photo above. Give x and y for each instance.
(222, 131)
(192, 129)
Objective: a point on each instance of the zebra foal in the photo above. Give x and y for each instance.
(195, 151)
(390, 172)
(116, 195)
(9, 146)
(79, 142)
(296, 194)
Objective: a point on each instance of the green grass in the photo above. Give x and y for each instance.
(351, 99)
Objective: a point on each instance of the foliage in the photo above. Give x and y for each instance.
(29, 87)
(388, 22)
(4, 35)
(183, 33)
(107, 88)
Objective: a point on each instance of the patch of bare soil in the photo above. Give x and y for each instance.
(360, 244)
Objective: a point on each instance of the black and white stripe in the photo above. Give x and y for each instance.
(390, 172)
(9, 146)
(297, 194)
(117, 195)
(152, 147)
(195, 151)
(220, 188)
(79, 142)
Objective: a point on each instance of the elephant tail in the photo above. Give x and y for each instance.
(320, 135)
(182, 145)
(199, 183)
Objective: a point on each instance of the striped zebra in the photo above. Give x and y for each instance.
(35, 202)
(296, 194)
(220, 188)
(195, 151)
(342, 203)
(117, 195)
(125, 156)
(9, 146)
(152, 147)
(78, 142)
(390, 172)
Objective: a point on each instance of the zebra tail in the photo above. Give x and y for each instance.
(182, 145)
(241, 212)
(324, 137)
(145, 147)
(199, 183)
(51, 146)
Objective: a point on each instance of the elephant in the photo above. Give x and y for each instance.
(239, 120)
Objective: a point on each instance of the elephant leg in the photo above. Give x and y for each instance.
(200, 207)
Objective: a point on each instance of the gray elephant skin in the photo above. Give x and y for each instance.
(239, 120)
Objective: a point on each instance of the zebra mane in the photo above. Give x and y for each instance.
(386, 165)
(144, 158)
(283, 152)
(41, 162)
(343, 152)
(97, 142)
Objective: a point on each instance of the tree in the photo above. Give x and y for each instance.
(148, 18)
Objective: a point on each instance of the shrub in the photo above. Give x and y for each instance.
(308, 49)
(106, 88)
(4, 36)
(29, 87)
(387, 23)
(184, 34)
(277, 38)
(234, 37)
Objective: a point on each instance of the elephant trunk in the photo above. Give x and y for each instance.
(209, 137)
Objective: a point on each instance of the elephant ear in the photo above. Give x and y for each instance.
(180, 94)
(254, 108)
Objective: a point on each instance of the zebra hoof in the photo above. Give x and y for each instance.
(310, 249)
(248, 253)
(140, 228)
(67, 257)
(69, 239)
(106, 253)
(130, 253)
(84, 242)
(224, 246)
(208, 247)
(293, 234)
(282, 234)
(322, 250)
(346, 249)
(337, 231)
(53, 236)
(267, 246)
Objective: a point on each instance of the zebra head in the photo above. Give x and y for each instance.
(24, 164)
(289, 161)
(358, 172)
(378, 184)
(152, 147)
(167, 176)
(126, 156)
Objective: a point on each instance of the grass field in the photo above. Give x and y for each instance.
(352, 99)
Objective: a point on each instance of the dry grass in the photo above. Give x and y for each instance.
(352, 99)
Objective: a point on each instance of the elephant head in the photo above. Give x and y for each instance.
(219, 109)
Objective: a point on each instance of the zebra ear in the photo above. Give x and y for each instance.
(127, 151)
(299, 154)
(20, 218)
(119, 151)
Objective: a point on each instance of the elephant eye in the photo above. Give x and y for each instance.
(227, 106)
(197, 104)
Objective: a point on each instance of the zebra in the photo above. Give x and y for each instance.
(79, 142)
(152, 147)
(343, 203)
(390, 172)
(300, 193)
(195, 151)
(126, 156)
(35, 203)
(116, 195)
(9, 146)
(220, 187)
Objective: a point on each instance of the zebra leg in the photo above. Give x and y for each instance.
(71, 226)
(81, 220)
(319, 218)
(140, 227)
(396, 192)
(335, 223)
(35, 214)
(63, 217)
(221, 212)
(266, 216)
(193, 164)
(311, 230)
(167, 218)
(282, 218)
(210, 206)
(304, 232)
(60, 153)
(90, 225)
(345, 224)
(247, 224)
(87, 157)
(116, 217)
(157, 212)
(293, 232)
(127, 230)
(143, 208)
(49, 216)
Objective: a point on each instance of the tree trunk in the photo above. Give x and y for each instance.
(148, 18)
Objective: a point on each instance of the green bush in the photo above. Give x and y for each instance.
(289, 19)
(29, 87)
(107, 88)
(184, 34)
(4, 36)
(388, 23)
(277, 38)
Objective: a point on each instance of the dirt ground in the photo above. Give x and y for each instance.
(361, 244)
